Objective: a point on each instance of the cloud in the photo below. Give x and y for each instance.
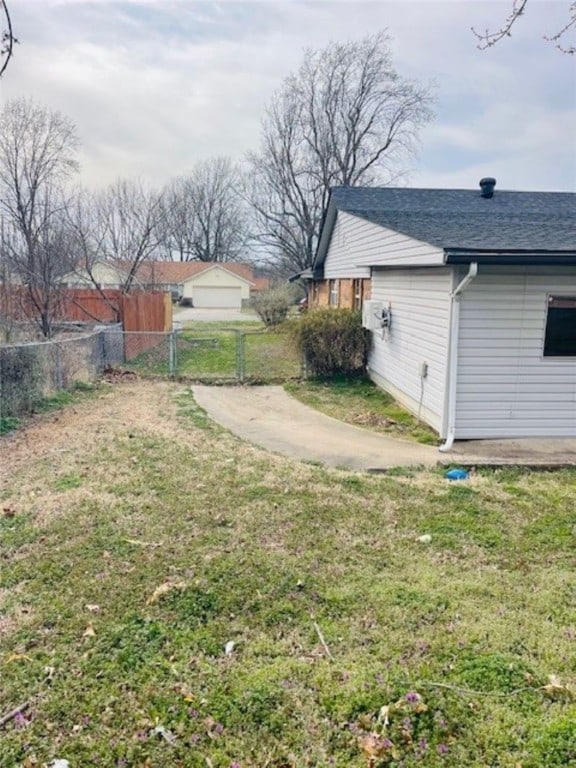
(156, 86)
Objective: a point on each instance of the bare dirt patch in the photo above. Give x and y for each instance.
(141, 406)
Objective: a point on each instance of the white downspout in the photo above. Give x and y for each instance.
(453, 354)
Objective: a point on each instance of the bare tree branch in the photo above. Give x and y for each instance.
(346, 117)
(205, 216)
(131, 218)
(488, 39)
(8, 39)
(557, 38)
(37, 156)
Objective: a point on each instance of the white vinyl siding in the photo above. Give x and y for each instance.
(419, 300)
(506, 387)
(357, 244)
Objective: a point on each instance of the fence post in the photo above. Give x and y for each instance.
(240, 357)
(172, 361)
(58, 372)
(101, 352)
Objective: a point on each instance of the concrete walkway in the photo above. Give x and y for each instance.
(272, 419)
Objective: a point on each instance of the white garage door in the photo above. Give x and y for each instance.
(206, 296)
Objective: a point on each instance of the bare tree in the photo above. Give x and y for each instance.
(130, 230)
(7, 38)
(87, 222)
(37, 156)
(346, 117)
(488, 39)
(205, 217)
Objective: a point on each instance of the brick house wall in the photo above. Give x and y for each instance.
(346, 288)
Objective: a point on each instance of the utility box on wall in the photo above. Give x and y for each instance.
(372, 311)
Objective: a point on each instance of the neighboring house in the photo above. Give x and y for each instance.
(205, 284)
(473, 302)
(106, 274)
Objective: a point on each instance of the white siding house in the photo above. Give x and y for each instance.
(373, 244)
(481, 294)
(419, 302)
(505, 384)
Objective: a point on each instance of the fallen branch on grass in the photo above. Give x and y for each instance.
(470, 692)
(13, 713)
(323, 642)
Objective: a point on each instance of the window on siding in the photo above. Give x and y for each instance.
(334, 293)
(358, 293)
(560, 339)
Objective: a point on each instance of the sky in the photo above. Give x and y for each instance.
(156, 86)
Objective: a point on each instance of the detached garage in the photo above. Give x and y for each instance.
(218, 286)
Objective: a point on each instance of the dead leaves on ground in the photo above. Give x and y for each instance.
(164, 589)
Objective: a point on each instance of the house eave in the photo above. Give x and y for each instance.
(326, 229)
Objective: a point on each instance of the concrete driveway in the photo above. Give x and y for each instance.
(272, 419)
(196, 315)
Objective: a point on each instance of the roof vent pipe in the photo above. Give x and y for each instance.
(487, 186)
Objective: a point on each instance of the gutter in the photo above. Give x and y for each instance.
(511, 258)
(450, 401)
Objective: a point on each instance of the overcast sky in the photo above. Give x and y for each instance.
(156, 85)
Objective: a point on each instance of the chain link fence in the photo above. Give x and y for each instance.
(33, 371)
(228, 355)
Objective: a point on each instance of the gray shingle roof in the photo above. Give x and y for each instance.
(460, 219)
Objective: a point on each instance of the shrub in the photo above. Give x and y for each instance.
(272, 306)
(20, 379)
(333, 341)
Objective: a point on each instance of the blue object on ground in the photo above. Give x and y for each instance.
(457, 474)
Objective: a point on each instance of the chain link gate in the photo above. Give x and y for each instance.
(236, 355)
(207, 356)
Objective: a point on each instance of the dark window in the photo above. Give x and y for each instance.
(358, 286)
(334, 293)
(560, 338)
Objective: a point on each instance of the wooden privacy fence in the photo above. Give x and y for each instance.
(147, 314)
(143, 311)
(140, 312)
(150, 311)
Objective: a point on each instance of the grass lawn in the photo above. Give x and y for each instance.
(268, 355)
(359, 401)
(173, 597)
